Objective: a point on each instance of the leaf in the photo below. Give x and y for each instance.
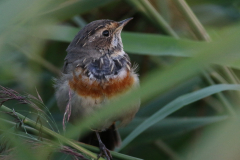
(137, 43)
(174, 106)
(156, 45)
(148, 44)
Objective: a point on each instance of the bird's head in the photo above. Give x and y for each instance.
(100, 47)
(101, 35)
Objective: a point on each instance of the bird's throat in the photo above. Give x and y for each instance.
(106, 67)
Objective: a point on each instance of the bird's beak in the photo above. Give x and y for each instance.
(122, 24)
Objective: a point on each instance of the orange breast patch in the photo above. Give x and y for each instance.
(96, 89)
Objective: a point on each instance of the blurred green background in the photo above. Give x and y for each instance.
(185, 62)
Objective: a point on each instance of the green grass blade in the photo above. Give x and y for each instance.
(137, 43)
(174, 106)
(51, 133)
(159, 20)
(192, 20)
(83, 148)
(147, 44)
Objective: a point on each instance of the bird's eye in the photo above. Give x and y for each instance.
(105, 33)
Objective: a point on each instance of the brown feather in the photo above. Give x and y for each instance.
(111, 88)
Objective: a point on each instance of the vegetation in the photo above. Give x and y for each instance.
(189, 61)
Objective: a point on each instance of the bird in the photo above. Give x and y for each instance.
(97, 71)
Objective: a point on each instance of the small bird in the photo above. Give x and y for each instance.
(96, 71)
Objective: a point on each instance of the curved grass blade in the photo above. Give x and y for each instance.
(174, 106)
(137, 43)
(148, 44)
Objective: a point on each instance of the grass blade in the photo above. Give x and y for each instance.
(137, 43)
(174, 106)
